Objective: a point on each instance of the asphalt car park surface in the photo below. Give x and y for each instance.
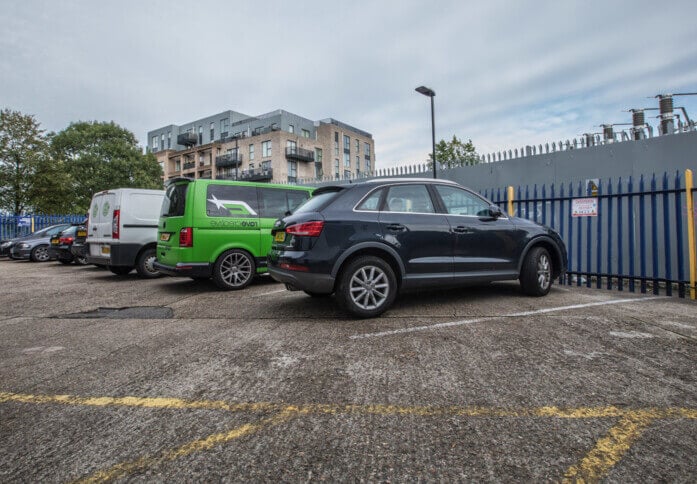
(173, 380)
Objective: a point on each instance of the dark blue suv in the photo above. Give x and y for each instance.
(368, 241)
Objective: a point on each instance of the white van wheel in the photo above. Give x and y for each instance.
(145, 265)
(233, 270)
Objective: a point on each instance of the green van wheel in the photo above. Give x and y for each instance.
(233, 270)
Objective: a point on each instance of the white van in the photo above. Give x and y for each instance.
(122, 232)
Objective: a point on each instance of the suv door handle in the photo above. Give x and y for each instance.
(396, 227)
(461, 229)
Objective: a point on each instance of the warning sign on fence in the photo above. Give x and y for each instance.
(584, 207)
(24, 222)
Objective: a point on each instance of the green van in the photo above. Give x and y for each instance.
(220, 229)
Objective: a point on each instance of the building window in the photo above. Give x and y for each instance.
(336, 148)
(224, 125)
(177, 165)
(212, 131)
(347, 160)
(291, 147)
(367, 166)
(251, 152)
(266, 149)
(291, 128)
(154, 143)
(319, 172)
(306, 133)
(336, 168)
(366, 150)
(358, 147)
(200, 135)
(169, 139)
(347, 143)
(318, 155)
(358, 162)
(336, 136)
(347, 174)
(266, 165)
(292, 171)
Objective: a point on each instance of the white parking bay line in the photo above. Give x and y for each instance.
(511, 315)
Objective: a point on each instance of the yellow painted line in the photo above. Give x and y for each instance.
(610, 449)
(319, 408)
(126, 468)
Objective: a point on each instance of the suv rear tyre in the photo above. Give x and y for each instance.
(367, 287)
(144, 265)
(536, 274)
(233, 270)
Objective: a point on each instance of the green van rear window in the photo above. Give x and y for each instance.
(231, 201)
(175, 200)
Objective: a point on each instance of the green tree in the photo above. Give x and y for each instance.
(99, 156)
(22, 149)
(455, 153)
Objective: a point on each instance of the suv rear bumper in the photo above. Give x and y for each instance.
(304, 281)
(184, 269)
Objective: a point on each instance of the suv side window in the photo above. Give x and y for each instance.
(231, 201)
(409, 198)
(372, 202)
(461, 202)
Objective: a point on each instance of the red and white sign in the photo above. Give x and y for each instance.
(584, 207)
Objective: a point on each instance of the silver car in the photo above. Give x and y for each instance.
(34, 247)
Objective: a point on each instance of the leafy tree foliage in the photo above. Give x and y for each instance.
(22, 149)
(455, 153)
(99, 156)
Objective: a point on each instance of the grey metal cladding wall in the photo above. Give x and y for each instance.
(629, 158)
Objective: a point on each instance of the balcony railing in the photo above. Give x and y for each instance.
(189, 164)
(299, 154)
(187, 139)
(257, 174)
(229, 159)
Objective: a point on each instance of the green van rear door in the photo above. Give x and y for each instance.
(177, 209)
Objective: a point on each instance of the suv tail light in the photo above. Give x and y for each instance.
(65, 240)
(186, 237)
(115, 224)
(307, 229)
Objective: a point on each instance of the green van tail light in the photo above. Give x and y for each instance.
(115, 233)
(186, 237)
(307, 229)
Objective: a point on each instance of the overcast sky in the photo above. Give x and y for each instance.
(506, 73)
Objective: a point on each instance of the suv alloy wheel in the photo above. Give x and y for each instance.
(367, 287)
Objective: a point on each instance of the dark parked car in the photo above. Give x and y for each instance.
(61, 244)
(34, 246)
(79, 245)
(365, 242)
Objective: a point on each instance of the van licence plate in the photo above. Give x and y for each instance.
(164, 236)
(106, 250)
(280, 236)
(82, 233)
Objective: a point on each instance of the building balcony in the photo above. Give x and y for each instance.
(299, 154)
(189, 164)
(257, 174)
(187, 139)
(229, 159)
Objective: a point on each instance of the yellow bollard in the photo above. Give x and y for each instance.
(510, 201)
(691, 233)
(32, 224)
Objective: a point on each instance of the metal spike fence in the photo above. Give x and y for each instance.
(12, 226)
(639, 239)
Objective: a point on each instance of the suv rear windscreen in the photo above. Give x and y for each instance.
(318, 201)
(175, 200)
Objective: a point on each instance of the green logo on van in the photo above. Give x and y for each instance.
(95, 211)
(105, 208)
(234, 207)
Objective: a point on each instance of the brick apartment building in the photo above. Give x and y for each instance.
(273, 147)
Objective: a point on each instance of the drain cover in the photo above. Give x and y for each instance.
(137, 312)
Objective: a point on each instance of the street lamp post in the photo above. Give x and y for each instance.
(431, 93)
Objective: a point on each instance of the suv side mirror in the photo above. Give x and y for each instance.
(495, 211)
